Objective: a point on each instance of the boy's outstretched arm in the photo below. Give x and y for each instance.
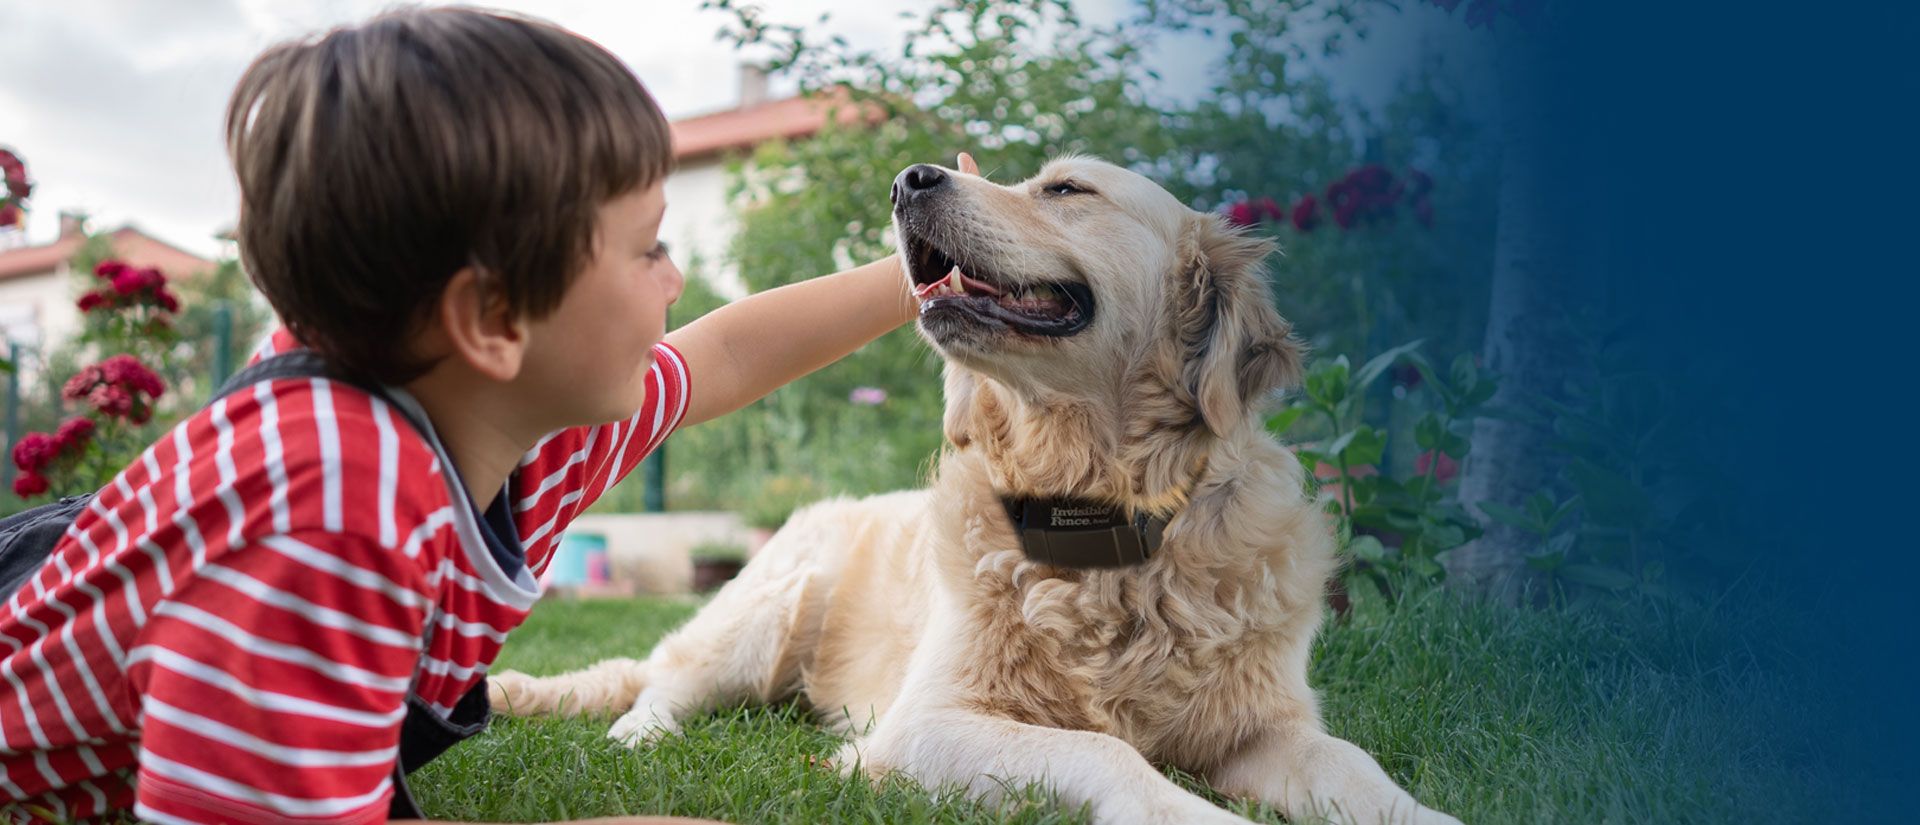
(746, 349)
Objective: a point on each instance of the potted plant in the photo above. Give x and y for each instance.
(716, 563)
(769, 506)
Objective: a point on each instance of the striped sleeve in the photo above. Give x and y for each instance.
(568, 470)
(273, 683)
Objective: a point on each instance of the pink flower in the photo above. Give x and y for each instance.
(34, 451)
(74, 432)
(29, 484)
(1447, 470)
(867, 396)
(1306, 213)
(110, 399)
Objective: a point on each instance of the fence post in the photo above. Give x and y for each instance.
(654, 499)
(13, 414)
(222, 343)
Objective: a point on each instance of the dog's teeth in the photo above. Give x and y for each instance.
(1041, 293)
(959, 281)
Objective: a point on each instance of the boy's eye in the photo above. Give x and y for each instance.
(658, 251)
(1065, 187)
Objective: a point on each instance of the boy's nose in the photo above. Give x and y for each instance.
(918, 178)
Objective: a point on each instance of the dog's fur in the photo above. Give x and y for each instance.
(914, 622)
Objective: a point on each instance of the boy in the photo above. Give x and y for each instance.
(295, 594)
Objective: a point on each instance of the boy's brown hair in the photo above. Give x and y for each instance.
(379, 159)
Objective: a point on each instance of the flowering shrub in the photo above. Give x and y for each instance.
(1391, 525)
(131, 304)
(117, 395)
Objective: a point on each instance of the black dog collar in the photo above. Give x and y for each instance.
(1067, 532)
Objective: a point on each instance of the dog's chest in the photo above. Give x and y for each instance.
(1146, 658)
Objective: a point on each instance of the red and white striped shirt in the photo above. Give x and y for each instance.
(230, 630)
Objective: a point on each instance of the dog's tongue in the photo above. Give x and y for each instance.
(956, 283)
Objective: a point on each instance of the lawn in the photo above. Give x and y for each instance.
(1492, 714)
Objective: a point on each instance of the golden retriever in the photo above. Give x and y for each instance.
(1102, 343)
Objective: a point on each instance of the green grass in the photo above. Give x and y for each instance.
(1492, 714)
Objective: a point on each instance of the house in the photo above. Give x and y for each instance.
(37, 287)
(700, 220)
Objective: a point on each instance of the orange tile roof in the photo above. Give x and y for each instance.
(130, 244)
(717, 133)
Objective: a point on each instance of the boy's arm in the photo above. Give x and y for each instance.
(753, 346)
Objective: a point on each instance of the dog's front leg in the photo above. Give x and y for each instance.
(988, 755)
(1308, 774)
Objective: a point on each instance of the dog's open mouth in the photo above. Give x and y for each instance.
(1047, 308)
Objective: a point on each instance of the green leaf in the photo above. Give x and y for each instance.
(1428, 433)
(1371, 370)
(1279, 423)
(1547, 562)
(1367, 445)
(1610, 498)
(1594, 575)
(1339, 445)
(1510, 516)
(1427, 568)
(1367, 548)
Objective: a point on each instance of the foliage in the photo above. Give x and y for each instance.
(718, 551)
(1629, 499)
(1391, 526)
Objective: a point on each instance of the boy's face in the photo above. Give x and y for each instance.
(589, 357)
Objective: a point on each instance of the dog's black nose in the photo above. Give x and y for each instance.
(920, 177)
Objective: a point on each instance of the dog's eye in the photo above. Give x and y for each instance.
(1065, 187)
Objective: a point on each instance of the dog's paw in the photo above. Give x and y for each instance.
(642, 726)
(508, 692)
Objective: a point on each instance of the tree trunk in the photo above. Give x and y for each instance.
(1529, 340)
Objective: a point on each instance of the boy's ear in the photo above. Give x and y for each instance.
(480, 326)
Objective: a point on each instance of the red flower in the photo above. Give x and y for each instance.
(128, 282)
(92, 301)
(9, 215)
(35, 451)
(1271, 210)
(1447, 471)
(1306, 213)
(127, 370)
(74, 432)
(109, 270)
(29, 484)
(1243, 214)
(166, 299)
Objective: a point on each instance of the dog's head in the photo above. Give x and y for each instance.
(1087, 279)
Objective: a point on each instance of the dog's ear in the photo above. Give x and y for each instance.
(1236, 347)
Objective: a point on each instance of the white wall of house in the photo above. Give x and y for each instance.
(37, 309)
(700, 223)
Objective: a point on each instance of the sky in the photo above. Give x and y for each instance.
(116, 105)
